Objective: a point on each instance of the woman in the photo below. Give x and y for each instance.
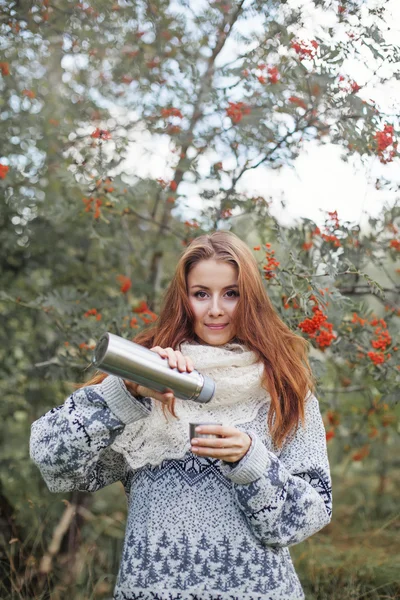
(213, 519)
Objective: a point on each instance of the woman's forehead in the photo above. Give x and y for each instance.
(213, 270)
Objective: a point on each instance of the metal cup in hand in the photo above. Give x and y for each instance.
(193, 434)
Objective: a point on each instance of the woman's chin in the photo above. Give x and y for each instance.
(215, 338)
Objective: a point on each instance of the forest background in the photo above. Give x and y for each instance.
(88, 245)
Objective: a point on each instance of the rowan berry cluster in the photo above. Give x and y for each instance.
(305, 49)
(85, 346)
(193, 224)
(383, 339)
(133, 322)
(171, 112)
(125, 282)
(291, 303)
(93, 204)
(333, 220)
(104, 185)
(376, 357)
(271, 264)
(298, 102)
(381, 342)
(153, 63)
(3, 171)
(174, 129)
(318, 327)
(386, 145)
(144, 312)
(4, 68)
(101, 134)
(92, 312)
(272, 74)
(307, 246)
(237, 110)
(331, 225)
(29, 94)
(330, 237)
(348, 85)
(127, 79)
(358, 320)
(362, 453)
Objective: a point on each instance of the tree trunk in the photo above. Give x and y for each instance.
(206, 82)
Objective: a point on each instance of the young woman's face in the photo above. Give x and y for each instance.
(213, 295)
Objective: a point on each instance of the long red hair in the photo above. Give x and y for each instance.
(287, 374)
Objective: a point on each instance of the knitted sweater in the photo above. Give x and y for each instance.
(197, 528)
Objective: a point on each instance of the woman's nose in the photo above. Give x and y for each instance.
(215, 308)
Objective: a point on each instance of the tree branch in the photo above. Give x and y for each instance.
(346, 390)
(159, 224)
(364, 289)
(245, 168)
(58, 534)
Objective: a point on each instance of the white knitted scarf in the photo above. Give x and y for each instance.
(237, 399)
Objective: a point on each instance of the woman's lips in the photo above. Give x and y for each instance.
(217, 327)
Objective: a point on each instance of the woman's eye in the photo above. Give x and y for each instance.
(229, 293)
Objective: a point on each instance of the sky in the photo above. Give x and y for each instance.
(318, 180)
(321, 181)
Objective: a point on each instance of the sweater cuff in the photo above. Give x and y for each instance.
(125, 407)
(252, 466)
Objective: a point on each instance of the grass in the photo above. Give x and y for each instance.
(357, 556)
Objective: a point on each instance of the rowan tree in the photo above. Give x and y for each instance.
(89, 243)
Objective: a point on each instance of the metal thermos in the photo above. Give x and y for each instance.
(128, 360)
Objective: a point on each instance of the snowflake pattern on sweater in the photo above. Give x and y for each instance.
(197, 528)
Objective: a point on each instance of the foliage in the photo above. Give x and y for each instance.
(89, 244)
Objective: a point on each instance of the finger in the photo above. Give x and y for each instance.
(181, 361)
(184, 362)
(164, 398)
(131, 386)
(160, 351)
(215, 443)
(176, 359)
(221, 430)
(222, 453)
(189, 364)
(172, 361)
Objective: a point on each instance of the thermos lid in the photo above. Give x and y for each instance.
(207, 391)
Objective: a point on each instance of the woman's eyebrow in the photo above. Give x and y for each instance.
(204, 287)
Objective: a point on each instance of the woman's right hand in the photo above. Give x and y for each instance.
(175, 359)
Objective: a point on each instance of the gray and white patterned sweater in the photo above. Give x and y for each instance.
(197, 528)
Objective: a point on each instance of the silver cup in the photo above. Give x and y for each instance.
(193, 434)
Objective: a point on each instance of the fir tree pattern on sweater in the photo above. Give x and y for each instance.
(180, 565)
(197, 528)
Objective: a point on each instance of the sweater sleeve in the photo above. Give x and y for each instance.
(287, 499)
(71, 443)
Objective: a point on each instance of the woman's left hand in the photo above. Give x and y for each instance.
(231, 446)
